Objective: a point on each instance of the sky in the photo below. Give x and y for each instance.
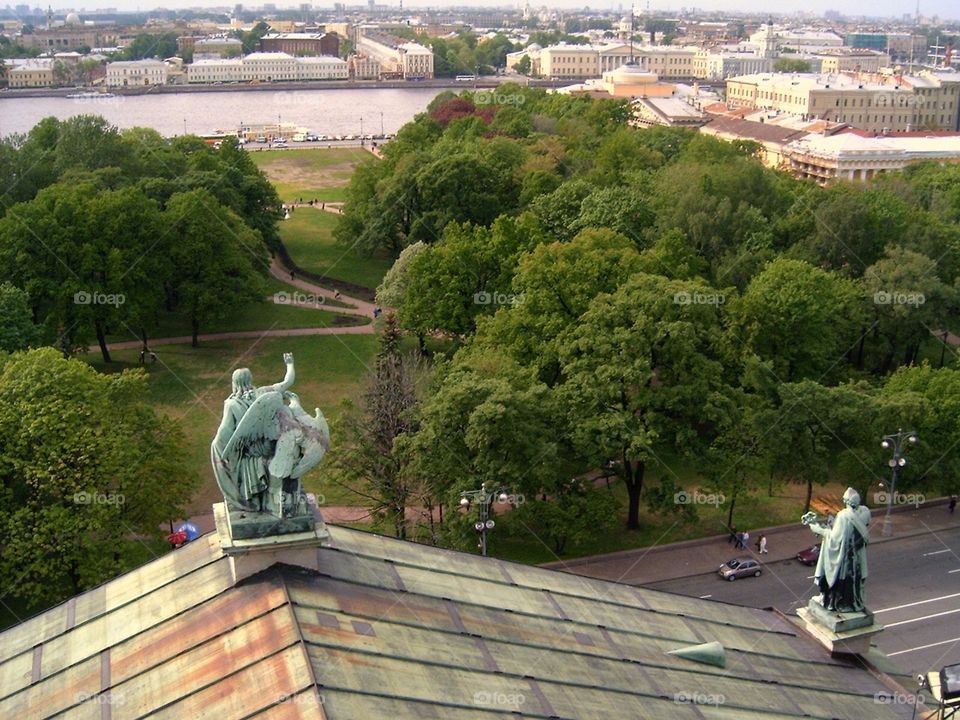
(945, 9)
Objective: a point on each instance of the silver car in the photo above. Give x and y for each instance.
(739, 567)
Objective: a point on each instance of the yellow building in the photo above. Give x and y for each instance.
(569, 62)
(32, 74)
(840, 98)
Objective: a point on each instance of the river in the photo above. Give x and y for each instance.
(330, 112)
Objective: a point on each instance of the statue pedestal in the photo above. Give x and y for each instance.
(253, 543)
(848, 633)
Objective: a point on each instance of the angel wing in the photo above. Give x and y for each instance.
(259, 422)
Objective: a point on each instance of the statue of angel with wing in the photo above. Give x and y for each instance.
(265, 444)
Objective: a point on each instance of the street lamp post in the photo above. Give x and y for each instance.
(484, 499)
(895, 442)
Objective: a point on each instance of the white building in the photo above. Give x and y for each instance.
(396, 56)
(136, 73)
(267, 67)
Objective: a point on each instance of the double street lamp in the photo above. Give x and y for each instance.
(896, 443)
(484, 499)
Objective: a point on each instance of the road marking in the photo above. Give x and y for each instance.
(811, 577)
(923, 647)
(951, 572)
(704, 597)
(925, 617)
(938, 552)
(919, 602)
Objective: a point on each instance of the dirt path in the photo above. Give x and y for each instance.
(358, 307)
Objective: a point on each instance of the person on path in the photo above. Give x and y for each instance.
(739, 544)
(733, 536)
(953, 504)
(744, 540)
(763, 544)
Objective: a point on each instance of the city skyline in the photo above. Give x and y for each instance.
(888, 9)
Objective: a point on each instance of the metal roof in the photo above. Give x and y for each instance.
(395, 629)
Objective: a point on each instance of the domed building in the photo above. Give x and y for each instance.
(73, 19)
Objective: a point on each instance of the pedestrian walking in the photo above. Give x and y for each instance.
(337, 295)
(762, 545)
(739, 544)
(953, 504)
(744, 540)
(733, 536)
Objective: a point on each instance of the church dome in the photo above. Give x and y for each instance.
(73, 19)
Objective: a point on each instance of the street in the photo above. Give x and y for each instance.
(913, 588)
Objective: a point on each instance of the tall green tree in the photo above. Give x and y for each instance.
(642, 377)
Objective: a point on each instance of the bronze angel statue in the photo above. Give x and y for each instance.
(265, 444)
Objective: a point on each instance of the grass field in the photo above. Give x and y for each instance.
(189, 386)
(312, 174)
(308, 236)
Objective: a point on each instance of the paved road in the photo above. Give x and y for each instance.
(913, 588)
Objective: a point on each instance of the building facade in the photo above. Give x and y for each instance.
(843, 60)
(301, 44)
(267, 67)
(31, 74)
(396, 56)
(890, 106)
(136, 73)
(69, 39)
(362, 67)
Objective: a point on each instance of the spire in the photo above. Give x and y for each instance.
(711, 653)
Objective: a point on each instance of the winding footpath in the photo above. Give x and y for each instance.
(351, 306)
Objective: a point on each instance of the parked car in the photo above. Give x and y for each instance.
(809, 556)
(739, 567)
(280, 144)
(261, 139)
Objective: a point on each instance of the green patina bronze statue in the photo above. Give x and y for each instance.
(263, 447)
(842, 566)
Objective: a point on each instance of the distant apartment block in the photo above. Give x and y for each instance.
(267, 67)
(397, 56)
(580, 62)
(770, 39)
(719, 63)
(136, 73)
(301, 44)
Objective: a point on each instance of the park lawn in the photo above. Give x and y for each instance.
(189, 386)
(321, 174)
(308, 237)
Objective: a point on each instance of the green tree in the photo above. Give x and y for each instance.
(86, 466)
(150, 45)
(791, 65)
(816, 433)
(219, 262)
(524, 66)
(642, 378)
(368, 456)
(907, 301)
(17, 331)
(801, 319)
(557, 283)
